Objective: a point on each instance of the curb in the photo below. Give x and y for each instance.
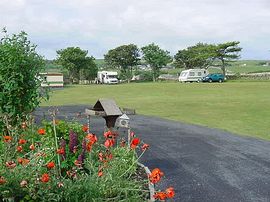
(150, 185)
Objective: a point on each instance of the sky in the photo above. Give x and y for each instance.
(100, 25)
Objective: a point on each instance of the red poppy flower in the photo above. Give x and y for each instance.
(109, 143)
(91, 138)
(170, 192)
(11, 164)
(100, 171)
(100, 156)
(7, 138)
(134, 143)
(2, 180)
(160, 195)
(84, 128)
(22, 141)
(60, 151)
(32, 147)
(45, 178)
(145, 147)
(155, 176)
(41, 131)
(50, 165)
(19, 149)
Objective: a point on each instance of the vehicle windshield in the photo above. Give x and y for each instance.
(111, 76)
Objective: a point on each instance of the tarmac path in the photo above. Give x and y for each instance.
(201, 163)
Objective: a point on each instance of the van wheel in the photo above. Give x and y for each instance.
(220, 81)
(210, 81)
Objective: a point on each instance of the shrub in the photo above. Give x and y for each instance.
(19, 83)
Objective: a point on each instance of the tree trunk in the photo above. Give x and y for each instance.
(223, 67)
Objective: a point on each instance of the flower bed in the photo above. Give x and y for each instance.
(63, 161)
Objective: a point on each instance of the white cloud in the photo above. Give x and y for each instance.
(98, 25)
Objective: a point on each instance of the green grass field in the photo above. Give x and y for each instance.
(239, 107)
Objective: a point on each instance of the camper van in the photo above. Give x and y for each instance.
(106, 77)
(193, 75)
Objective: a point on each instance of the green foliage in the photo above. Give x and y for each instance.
(199, 56)
(24, 181)
(19, 83)
(227, 52)
(76, 61)
(124, 57)
(156, 58)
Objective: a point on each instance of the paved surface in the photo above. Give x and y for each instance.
(202, 164)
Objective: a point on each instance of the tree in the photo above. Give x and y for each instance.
(156, 58)
(124, 57)
(76, 61)
(201, 55)
(20, 85)
(227, 52)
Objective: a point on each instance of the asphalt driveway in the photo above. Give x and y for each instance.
(202, 164)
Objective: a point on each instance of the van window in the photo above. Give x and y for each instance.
(191, 73)
(199, 73)
(183, 74)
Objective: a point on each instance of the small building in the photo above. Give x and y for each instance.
(52, 79)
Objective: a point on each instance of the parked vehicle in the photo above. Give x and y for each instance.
(52, 79)
(214, 78)
(193, 75)
(106, 77)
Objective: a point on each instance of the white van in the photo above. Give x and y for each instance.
(193, 75)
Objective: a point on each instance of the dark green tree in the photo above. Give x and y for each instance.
(124, 57)
(76, 61)
(156, 58)
(199, 56)
(227, 52)
(20, 86)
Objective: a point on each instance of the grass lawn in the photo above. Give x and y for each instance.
(239, 107)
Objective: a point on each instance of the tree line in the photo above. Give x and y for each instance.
(127, 57)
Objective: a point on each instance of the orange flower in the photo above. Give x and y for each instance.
(91, 138)
(145, 147)
(45, 178)
(155, 176)
(170, 192)
(32, 147)
(11, 164)
(19, 149)
(100, 171)
(50, 165)
(160, 195)
(22, 141)
(23, 161)
(7, 138)
(84, 128)
(134, 143)
(2, 180)
(60, 151)
(41, 131)
(109, 143)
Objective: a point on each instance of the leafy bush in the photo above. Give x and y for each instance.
(19, 83)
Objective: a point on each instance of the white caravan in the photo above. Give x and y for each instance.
(191, 75)
(107, 77)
